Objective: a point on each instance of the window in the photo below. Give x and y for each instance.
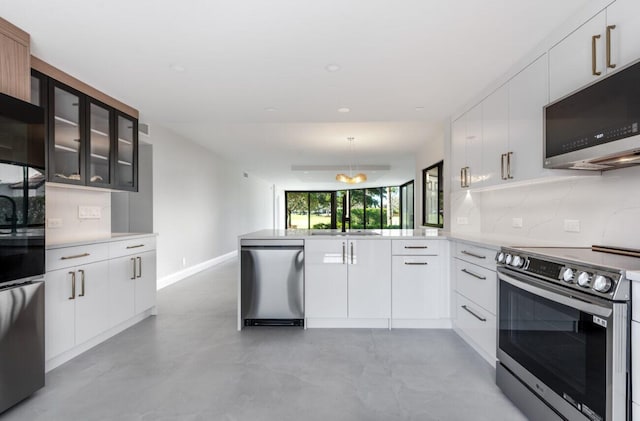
(432, 196)
(370, 208)
(406, 206)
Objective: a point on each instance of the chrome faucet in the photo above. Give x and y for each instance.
(14, 216)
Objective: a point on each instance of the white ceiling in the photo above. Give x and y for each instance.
(242, 58)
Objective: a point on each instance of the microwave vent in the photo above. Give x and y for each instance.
(590, 166)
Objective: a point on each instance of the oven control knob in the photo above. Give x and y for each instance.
(584, 279)
(500, 257)
(508, 258)
(567, 275)
(517, 262)
(602, 284)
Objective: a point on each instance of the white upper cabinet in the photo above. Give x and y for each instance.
(578, 59)
(466, 150)
(604, 44)
(527, 97)
(495, 135)
(625, 36)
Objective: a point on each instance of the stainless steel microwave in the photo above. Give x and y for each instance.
(597, 127)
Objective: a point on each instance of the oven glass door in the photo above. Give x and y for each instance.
(560, 345)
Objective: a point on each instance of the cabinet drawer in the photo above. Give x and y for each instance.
(133, 246)
(415, 247)
(418, 290)
(476, 283)
(477, 324)
(65, 257)
(478, 255)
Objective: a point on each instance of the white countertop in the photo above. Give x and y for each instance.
(114, 236)
(483, 240)
(634, 275)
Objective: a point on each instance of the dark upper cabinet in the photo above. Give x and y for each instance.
(88, 142)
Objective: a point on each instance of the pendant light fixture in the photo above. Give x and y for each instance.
(351, 179)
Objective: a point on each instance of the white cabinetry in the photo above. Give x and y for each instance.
(582, 57)
(87, 298)
(495, 136)
(76, 308)
(467, 150)
(419, 285)
(475, 285)
(347, 279)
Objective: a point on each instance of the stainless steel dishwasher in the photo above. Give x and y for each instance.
(272, 282)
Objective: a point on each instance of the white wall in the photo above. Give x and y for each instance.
(607, 206)
(431, 152)
(201, 203)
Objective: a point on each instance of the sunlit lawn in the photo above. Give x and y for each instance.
(300, 221)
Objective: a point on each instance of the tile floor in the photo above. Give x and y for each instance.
(190, 363)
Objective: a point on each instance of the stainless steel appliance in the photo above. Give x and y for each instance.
(597, 127)
(272, 282)
(22, 250)
(563, 332)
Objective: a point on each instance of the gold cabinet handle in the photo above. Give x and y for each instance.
(609, 64)
(509, 176)
(351, 252)
(73, 285)
(344, 253)
(594, 69)
(76, 256)
(133, 260)
(136, 246)
(81, 283)
(139, 266)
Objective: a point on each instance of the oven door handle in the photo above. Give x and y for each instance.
(569, 301)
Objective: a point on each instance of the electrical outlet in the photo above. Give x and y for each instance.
(89, 212)
(54, 223)
(572, 225)
(516, 222)
(463, 220)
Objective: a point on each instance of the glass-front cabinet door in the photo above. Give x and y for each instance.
(99, 145)
(127, 147)
(65, 142)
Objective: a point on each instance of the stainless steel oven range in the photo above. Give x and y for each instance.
(564, 332)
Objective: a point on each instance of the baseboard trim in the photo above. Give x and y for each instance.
(192, 270)
(421, 323)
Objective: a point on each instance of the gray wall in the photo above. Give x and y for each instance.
(201, 203)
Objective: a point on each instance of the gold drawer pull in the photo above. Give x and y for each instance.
(77, 256)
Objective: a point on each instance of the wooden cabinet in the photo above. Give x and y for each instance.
(475, 297)
(90, 143)
(605, 43)
(76, 308)
(14, 61)
(347, 278)
(419, 289)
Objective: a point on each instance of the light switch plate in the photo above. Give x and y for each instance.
(463, 220)
(572, 225)
(516, 222)
(54, 223)
(89, 212)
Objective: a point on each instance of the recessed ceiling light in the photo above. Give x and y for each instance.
(332, 67)
(419, 108)
(178, 68)
(344, 110)
(270, 109)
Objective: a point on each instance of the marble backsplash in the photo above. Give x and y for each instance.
(606, 206)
